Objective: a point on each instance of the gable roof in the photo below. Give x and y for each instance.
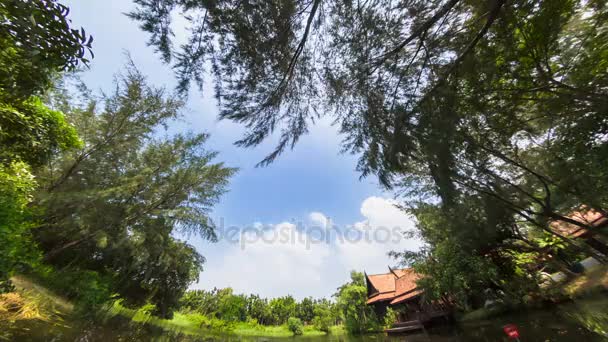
(382, 282)
(381, 297)
(589, 217)
(405, 297)
(397, 284)
(407, 282)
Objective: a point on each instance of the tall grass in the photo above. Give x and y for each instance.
(14, 307)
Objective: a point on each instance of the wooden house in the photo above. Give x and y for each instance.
(397, 289)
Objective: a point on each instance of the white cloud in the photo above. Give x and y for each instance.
(318, 219)
(383, 225)
(284, 259)
(273, 263)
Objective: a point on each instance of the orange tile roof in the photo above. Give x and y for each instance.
(383, 282)
(400, 273)
(589, 217)
(396, 286)
(406, 296)
(381, 297)
(407, 282)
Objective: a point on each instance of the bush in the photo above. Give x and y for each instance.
(323, 317)
(390, 317)
(89, 289)
(232, 308)
(359, 317)
(17, 250)
(144, 313)
(321, 323)
(294, 325)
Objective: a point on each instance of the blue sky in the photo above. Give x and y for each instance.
(308, 187)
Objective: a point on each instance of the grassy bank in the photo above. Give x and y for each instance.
(197, 324)
(32, 302)
(51, 313)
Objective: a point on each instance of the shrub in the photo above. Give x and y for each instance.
(89, 289)
(17, 251)
(390, 317)
(144, 313)
(294, 325)
(359, 318)
(321, 323)
(323, 318)
(232, 308)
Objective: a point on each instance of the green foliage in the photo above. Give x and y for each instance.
(116, 204)
(456, 273)
(202, 301)
(323, 317)
(37, 42)
(294, 325)
(492, 112)
(144, 313)
(252, 310)
(258, 309)
(390, 317)
(282, 308)
(232, 308)
(218, 303)
(468, 253)
(305, 310)
(550, 242)
(33, 133)
(351, 298)
(109, 206)
(30, 133)
(16, 246)
(88, 289)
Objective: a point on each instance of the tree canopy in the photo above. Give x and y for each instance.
(117, 205)
(225, 305)
(494, 108)
(351, 299)
(441, 96)
(487, 118)
(36, 42)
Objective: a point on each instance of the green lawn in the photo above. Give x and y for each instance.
(197, 324)
(47, 304)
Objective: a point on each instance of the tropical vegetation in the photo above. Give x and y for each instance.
(94, 196)
(487, 119)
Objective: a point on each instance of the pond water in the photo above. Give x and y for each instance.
(577, 321)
